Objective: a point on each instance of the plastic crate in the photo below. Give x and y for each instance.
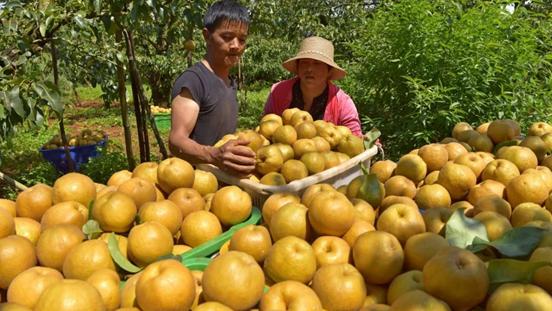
(162, 121)
(337, 176)
(79, 155)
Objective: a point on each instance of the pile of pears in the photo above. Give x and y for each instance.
(160, 110)
(83, 138)
(293, 146)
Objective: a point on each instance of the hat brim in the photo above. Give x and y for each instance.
(336, 74)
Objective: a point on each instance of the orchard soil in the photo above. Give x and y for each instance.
(77, 121)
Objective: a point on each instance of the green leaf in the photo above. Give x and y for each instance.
(80, 21)
(22, 59)
(478, 245)
(161, 12)
(107, 22)
(371, 190)
(39, 117)
(371, 137)
(2, 112)
(170, 256)
(118, 257)
(120, 57)
(197, 264)
(4, 100)
(49, 92)
(511, 270)
(97, 6)
(48, 23)
(92, 229)
(42, 29)
(516, 242)
(460, 231)
(13, 101)
(214, 245)
(135, 10)
(90, 208)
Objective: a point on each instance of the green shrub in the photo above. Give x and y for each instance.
(251, 107)
(41, 172)
(424, 65)
(21, 160)
(262, 61)
(103, 166)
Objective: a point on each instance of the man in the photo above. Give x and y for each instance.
(204, 99)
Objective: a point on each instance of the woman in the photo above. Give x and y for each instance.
(312, 90)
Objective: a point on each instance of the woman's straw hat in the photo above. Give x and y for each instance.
(319, 49)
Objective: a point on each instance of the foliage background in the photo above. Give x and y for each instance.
(422, 66)
(418, 67)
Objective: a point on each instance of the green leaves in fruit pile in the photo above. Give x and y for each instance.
(371, 190)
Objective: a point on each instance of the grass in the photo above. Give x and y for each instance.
(94, 116)
(90, 93)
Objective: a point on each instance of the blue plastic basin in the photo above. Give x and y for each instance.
(79, 154)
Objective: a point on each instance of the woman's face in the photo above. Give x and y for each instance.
(312, 72)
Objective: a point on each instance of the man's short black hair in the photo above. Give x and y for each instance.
(225, 10)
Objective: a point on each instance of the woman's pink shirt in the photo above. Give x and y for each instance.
(340, 109)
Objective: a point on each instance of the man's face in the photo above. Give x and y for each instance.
(227, 42)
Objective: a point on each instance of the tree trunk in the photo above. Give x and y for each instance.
(77, 97)
(68, 159)
(124, 108)
(189, 58)
(146, 107)
(107, 104)
(142, 139)
(159, 89)
(135, 79)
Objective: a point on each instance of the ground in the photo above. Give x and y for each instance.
(78, 118)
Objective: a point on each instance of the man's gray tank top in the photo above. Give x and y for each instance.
(218, 103)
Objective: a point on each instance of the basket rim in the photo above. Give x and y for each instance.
(73, 148)
(296, 185)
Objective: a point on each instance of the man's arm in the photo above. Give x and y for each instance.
(234, 155)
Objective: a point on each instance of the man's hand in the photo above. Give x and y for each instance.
(236, 156)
